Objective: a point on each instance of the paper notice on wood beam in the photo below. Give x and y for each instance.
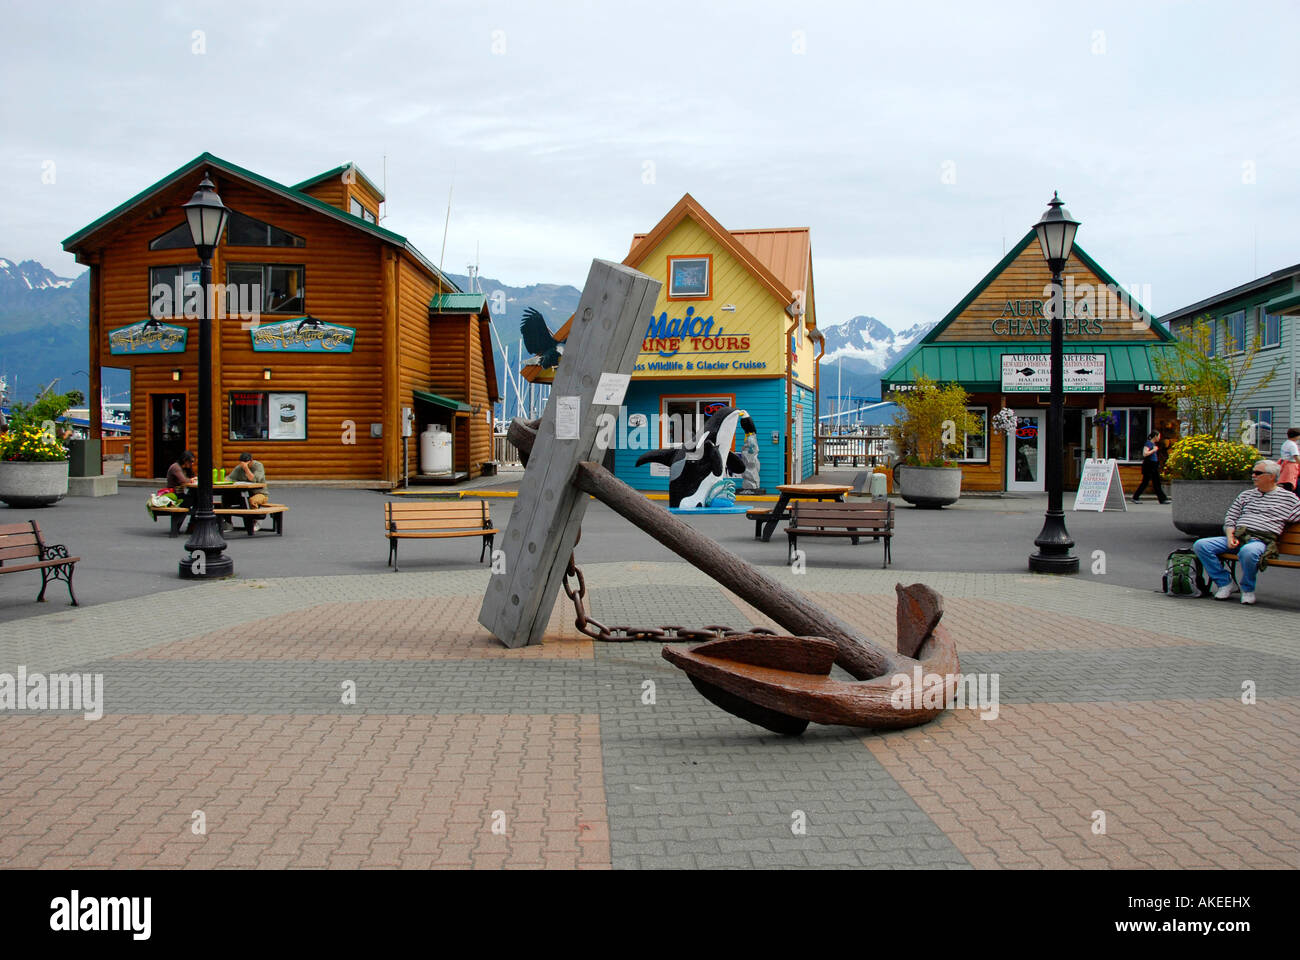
(568, 418)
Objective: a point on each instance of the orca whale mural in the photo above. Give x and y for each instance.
(699, 475)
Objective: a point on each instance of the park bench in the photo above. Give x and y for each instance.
(432, 519)
(250, 515)
(1288, 552)
(23, 541)
(852, 520)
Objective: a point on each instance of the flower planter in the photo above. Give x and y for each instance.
(929, 487)
(1199, 505)
(24, 484)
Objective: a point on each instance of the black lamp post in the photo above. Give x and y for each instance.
(1056, 236)
(205, 549)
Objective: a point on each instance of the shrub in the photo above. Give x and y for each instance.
(932, 422)
(1207, 457)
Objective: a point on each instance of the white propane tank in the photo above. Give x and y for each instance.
(435, 450)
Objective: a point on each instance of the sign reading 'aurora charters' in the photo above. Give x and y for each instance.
(302, 335)
(1032, 373)
(148, 336)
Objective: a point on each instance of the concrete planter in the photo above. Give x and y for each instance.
(1199, 505)
(24, 485)
(931, 487)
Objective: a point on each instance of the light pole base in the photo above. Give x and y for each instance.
(1053, 563)
(211, 567)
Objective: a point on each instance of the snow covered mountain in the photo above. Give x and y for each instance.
(28, 275)
(866, 338)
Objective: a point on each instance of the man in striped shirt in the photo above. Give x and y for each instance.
(1265, 510)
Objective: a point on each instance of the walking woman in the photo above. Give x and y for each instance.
(1151, 468)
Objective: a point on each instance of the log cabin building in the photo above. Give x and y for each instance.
(329, 328)
(994, 344)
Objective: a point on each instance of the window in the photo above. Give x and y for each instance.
(1124, 438)
(256, 415)
(682, 418)
(1257, 429)
(170, 288)
(690, 278)
(977, 450)
(177, 238)
(282, 286)
(1269, 327)
(1234, 331)
(357, 210)
(244, 231)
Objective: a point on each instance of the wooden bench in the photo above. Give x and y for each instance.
(250, 516)
(430, 519)
(760, 516)
(23, 541)
(853, 520)
(1288, 552)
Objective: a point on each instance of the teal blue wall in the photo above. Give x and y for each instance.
(764, 400)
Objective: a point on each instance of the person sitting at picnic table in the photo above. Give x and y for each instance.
(1251, 528)
(183, 477)
(248, 470)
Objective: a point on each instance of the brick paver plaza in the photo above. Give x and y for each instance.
(227, 699)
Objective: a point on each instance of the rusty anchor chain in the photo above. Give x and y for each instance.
(591, 627)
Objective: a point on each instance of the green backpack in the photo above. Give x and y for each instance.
(1184, 576)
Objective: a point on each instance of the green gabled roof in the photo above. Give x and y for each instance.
(208, 161)
(338, 172)
(456, 406)
(1286, 303)
(458, 303)
(978, 366)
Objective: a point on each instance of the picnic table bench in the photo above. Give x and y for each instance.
(250, 515)
(765, 520)
(431, 519)
(23, 541)
(852, 520)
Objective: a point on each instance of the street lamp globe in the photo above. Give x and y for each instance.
(207, 217)
(1056, 231)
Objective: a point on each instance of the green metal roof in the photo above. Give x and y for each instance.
(338, 172)
(458, 303)
(208, 161)
(978, 366)
(447, 403)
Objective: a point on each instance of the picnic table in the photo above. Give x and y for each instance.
(234, 496)
(793, 491)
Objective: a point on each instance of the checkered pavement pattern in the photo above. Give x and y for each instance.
(370, 722)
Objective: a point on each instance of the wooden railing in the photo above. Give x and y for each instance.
(503, 451)
(857, 450)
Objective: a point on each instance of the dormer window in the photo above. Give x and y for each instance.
(357, 209)
(241, 231)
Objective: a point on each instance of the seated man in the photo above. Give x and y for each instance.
(249, 470)
(1255, 519)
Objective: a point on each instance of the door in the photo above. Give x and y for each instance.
(168, 431)
(1026, 453)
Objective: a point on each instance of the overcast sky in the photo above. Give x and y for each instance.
(917, 141)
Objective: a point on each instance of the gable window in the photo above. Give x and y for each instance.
(1269, 326)
(177, 238)
(246, 231)
(280, 287)
(1234, 331)
(976, 449)
(170, 287)
(690, 278)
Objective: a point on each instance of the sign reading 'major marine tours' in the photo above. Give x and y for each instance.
(1032, 373)
(302, 335)
(147, 336)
